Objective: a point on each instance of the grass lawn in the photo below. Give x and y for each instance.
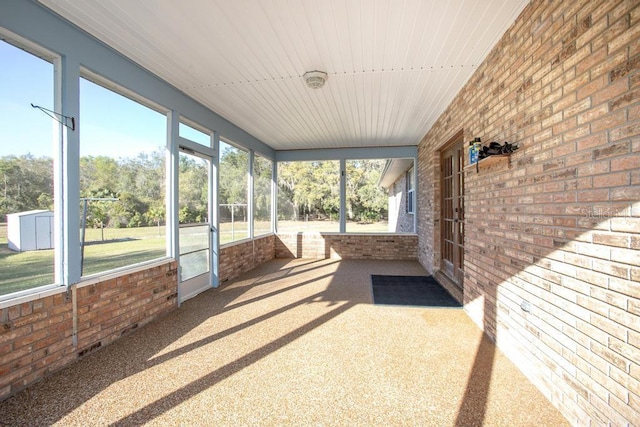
(122, 247)
(126, 246)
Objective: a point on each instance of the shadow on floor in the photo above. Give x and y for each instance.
(142, 347)
(474, 402)
(292, 342)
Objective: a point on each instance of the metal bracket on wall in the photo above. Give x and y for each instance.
(59, 117)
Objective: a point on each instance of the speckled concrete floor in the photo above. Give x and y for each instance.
(294, 342)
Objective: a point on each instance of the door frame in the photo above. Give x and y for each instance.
(177, 146)
(455, 287)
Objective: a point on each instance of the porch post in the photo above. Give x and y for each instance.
(343, 195)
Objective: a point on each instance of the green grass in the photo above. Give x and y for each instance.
(126, 246)
(95, 234)
(110, 255)
(19, 271)
(122, 247)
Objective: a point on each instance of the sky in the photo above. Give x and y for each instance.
(109, 124)
(24, 79)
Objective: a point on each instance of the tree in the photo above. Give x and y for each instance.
(193, 190)
(306, 188)
(233, 188)
(313, 188)
(262, 175)
(26, 184)
(155, 215)
(234, 170)
(98, 173)
(366, 201)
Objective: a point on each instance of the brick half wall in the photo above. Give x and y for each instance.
(37, 336)
(347, 246)
(238, 258)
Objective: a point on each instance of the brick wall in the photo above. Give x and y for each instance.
(238, 258)
(111, 308)
(399, 220)
(346, 246)
(36, 336)
(35, 339)
(558, 224)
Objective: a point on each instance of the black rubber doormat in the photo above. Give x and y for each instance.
(422, 291)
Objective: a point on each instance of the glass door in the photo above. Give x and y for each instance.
(452, 214)
(195, 223)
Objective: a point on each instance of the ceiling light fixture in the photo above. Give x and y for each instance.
(315, 79)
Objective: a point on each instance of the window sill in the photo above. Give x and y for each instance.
(10, 300)
(122, 271)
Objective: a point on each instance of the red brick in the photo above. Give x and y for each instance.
(592, 141)
(592, 87)
(611, 180)
(624, 100)
(577, 133)
(13, 312)
(14, 333)
(26, 308)
(623, 132)
(631, 194)
(593, 195)
(625, 163)
(633, 113)
(590, 168)
(593, 61)
(594, 168)
(569, 106)
(630, 321)
(625, 256)
(43, 343)
(624, 38)
(608, 121)
(625, 224)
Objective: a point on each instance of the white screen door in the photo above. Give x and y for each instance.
(194, 216)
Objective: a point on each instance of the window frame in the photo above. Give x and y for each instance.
(248, 194)
(410, 176)
(107, 84)
(253, 196)
(55, 60)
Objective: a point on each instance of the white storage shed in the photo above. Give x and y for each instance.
(30, 230)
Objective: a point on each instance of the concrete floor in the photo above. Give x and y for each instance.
(293, 342)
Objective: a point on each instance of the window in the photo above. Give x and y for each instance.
(262, 179)
(192, 134)
(122, 180)
(410, 191)
(233, 193)
(309, 196)
(27, 238)
(366, 200)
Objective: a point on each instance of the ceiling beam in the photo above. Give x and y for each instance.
(408, 152)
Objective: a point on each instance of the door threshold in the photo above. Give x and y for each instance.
(450, 286)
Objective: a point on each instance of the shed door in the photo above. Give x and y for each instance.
(43, 232)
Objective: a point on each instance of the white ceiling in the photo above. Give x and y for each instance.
(393, 65)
